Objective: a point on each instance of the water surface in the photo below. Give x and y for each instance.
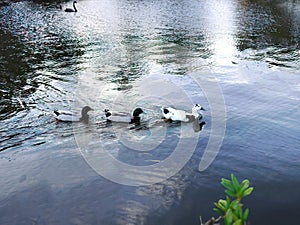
(124, 54)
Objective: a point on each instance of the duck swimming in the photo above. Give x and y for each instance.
(172, 114)
(123, 117)
(71, 10)
(68, 116)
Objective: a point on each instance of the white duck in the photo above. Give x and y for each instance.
(172, 114)
(124, 117)
(68, 116)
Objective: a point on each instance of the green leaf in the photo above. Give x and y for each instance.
(218, 211)
(227, 184)
(234, 204)
(228, 202)
(248, 191)
(230, 193)
(246, 213)
(245, 184)
(229, 216)
(238, 211)
(221, 204)
(226, 222)
(221, 208)
(238, 222)
(235, 183)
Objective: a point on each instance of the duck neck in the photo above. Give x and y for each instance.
(84, 115)
(74, 7)
(136, 120)
(84, 118)
(195, 113)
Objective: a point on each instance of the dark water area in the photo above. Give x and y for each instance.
(238, 59)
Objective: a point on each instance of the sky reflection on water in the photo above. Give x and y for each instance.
(123, 54)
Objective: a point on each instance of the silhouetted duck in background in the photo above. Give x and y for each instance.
(71, 10)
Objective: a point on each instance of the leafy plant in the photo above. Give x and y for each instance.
(231, 210)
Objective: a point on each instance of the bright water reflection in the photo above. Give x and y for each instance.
(122, 54)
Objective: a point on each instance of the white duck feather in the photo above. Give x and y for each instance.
(173, 114)
(68, 116)
(124, 117)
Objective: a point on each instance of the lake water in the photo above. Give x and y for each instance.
(238, 59)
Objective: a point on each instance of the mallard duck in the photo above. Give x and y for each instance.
(68, 116)
(172, 114)
(123, 117)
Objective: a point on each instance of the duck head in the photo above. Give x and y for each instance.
(137, 112)
(136, 116)
(107, 112)
(85, 110)
(198, 107)
(84, 114)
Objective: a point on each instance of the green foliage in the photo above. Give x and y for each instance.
(232, 210)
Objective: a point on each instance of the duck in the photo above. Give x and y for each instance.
(68, 116)
(72, 10)
(172, 114)
(124, 117)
